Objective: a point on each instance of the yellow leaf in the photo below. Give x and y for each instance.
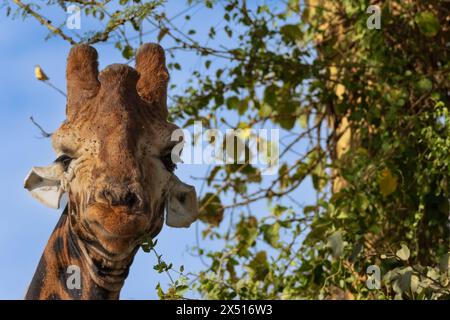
(39, 73)
(245, 133)
(387, 182)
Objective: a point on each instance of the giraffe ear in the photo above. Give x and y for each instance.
(44, 184)
(181, 205)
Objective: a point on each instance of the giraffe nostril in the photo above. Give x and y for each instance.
(121, 197)
(130, 199)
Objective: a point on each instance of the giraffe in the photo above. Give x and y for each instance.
(114, 163)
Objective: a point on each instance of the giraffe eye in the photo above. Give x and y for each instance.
(64, 160)
(167, 161)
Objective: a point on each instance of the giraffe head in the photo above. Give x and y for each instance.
(114, 153)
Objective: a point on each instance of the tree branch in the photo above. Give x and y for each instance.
(45, 22)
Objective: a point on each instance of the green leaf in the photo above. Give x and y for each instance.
(259, 266)
(428, 23)
(375, 229)
(293, 6)
(270, 95)
(271, 234)
(181, 289)
(424, 85)
(265, 110)
(162, 34)
(403, 253)
(161, 294)
(319, 177)
(444, 263)
(303, 121)
(233, 103)
(213, 174)
(291, 32)
(212, 212)
(387, 182)
(148, 244)
(278, 210)
(318, 230)
(342, 215)
(243, 106)
(415, 282)
(127, 52)
(246, 233)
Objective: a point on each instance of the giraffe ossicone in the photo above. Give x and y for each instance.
(113, 164)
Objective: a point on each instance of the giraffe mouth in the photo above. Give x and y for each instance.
(116, 228)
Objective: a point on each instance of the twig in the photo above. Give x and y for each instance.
(44, 133)
(45, 22)
(54, 87)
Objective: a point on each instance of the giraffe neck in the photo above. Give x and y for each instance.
(70, 268)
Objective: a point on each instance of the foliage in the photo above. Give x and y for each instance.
(317, 72)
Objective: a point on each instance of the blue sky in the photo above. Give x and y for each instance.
(25, 225)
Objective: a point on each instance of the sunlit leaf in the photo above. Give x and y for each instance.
(403, 253)
(387, 182)
(428, 23)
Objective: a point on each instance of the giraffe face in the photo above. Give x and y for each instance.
(114, 153)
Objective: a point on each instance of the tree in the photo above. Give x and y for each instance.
(366, 107)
